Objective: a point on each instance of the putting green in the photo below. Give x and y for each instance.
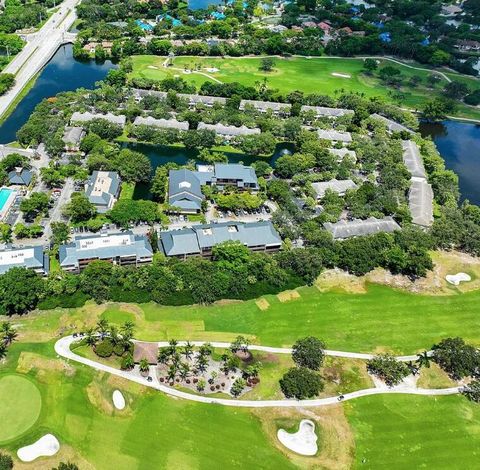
(20, 406)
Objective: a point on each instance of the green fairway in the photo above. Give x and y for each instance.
(154, 431)
(407, 432)
(322, 75)
(382, 318)
(20, 406)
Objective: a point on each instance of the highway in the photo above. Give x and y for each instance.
(40, 48)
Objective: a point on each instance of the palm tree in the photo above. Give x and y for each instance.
(173, 343)
(201, 363)
(90, 337)
(113, 333)
(127, 330)
(9, 333)
(184, 370)
(205, 349)
(163, 355)
(188, 350)
(3, 352)
(102, 327)
(423, 359)
(143, 365)
(172, 372)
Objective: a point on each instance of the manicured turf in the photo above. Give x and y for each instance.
(407, 432)
(310, 75)
(155, 431)
(20, 405)
(382, 318)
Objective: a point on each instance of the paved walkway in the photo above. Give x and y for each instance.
(62, 348)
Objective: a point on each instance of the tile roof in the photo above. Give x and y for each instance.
(357, 228)
(221, 129)
(332, 134)
(161, 123)
(338, 186)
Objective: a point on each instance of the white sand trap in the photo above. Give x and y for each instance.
(456, 279)
(303, 442)
(212, 70)
(118, 400)
(341, 75)
(152, 67)
(46, 446)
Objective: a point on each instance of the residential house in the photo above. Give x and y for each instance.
(338, 186)
(228, 174)
(102, 189)
(228, 132)
(392, 125)
(466, 45)
(184, 191)
(161, 123)
(30, 257)
(278, 109)
(123, 249)
(358, 228)
(208, 101)
(342, 153)
(323, 111)
(72, 137)
(334, 136)
(79, 118)
(199, 240)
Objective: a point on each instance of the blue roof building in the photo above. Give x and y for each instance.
(145, 26)
(102, 189)
(123, 249)
(20, 177)
(385, 37)
(30, 257)
(184, 191)
(200, 239)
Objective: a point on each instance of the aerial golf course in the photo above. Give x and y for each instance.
(321, 75)
(156, 431)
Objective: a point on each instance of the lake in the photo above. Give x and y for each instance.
(459, 145)
(202, 4)
(62, 73)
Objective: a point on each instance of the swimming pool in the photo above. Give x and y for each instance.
(7, 197)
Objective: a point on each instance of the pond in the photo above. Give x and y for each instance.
(202, 4)
(459, 145)
(159, 155)
(62, 73)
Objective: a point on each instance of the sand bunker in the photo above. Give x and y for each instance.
(288, 295)
(341, 75)
(212, 70)
(262, 304)
(118, 400)
(456, 279)
(46, 446)
(303, 442)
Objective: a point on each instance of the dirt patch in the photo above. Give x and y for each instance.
(227, 302)
(262, 304)
(335, 279)
(131, 308)
(28, 361)
(288, 295)
(335, 437)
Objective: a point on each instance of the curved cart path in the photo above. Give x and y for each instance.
(62, 348)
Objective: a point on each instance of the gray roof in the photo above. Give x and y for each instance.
(265, 105)
(342, 153)
(184, 190)
(20, 176)
(31, 257)
(87, 117)
(413, 159)
(357, 228)
(332, 134)
(204, 237)
(139, 93)
(161, 123)
(202, 99)
(105, 246)
(420, 202)
(326, 112)
(101, 188)
(221, 129)
(73, 135)
(392, 126)
(231, 171)
(338, 186)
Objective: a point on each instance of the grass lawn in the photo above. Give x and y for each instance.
(310, 75)
(406, 432)
(21, 405)
(127, 190)
(380, 319)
